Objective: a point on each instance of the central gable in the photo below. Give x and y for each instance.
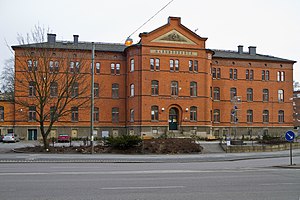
(173, 33)
(173, 36)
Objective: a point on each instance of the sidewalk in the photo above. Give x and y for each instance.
(141, 158)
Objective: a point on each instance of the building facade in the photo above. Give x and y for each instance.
(170, 84)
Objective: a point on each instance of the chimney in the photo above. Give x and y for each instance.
(75, 39)
(51, 38)
(252, 50)
(240, 49)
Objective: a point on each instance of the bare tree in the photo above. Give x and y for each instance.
(50, 82)
(7, 78)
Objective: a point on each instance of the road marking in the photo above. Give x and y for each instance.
(275, 184)
(142, 188)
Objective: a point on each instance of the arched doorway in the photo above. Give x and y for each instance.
(173, 119)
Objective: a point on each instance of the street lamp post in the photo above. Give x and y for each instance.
(92, 98)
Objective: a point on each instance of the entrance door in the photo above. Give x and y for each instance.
(173, 119)
(32, 134)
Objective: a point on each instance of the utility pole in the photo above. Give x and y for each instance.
(92, 98)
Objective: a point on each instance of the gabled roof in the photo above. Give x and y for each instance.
(246, 56)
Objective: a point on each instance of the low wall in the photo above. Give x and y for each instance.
(258, 148)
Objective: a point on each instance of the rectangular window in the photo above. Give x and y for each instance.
(231, 73)
(233, 93)
(74, 114)
(75, 90)
(132, 65)
(195, 65)
(193, 89)
(249, 94)
(281, 116)
(280, 96)
(177, 65)
(96, 89)
(174, 88)
(235, 74)
(115, 90)
(171, 65)
(131, 90)
(152, 63)
(118, 68)
(29, 65)
(115, 115)
(31, 90)
(216, 93)
(53, 89)
(97, 70)
(131, 115)
(157, 65)
(214, 72)
(96, 114)
(265, 116)
(249, 116)
(216, 116)
(263, 75)
(251, 76)
(154, 88)
(1, 113)
(154, 113)
(32, 113)
(265, 95)
(190, 65)
(218, 73)
(193, 113)
(112, 68)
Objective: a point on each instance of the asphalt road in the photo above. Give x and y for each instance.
(231, 180)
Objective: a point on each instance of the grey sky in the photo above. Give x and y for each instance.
(273, 26)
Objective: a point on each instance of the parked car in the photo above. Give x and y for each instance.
(11, 137)
(1, 138)
(63, 138)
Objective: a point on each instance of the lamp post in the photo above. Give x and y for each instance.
(92, 98)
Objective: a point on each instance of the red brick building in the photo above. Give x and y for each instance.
(170, 83)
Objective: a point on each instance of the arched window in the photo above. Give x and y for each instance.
(154, 88)
(115, 90)
(265, 116)
(280, 116)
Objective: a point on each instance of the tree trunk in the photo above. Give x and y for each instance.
(46, 143)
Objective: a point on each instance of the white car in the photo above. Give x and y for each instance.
(10, 137)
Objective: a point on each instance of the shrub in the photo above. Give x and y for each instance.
(123, 142)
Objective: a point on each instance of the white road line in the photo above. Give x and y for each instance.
(275, 184)
(142, 188)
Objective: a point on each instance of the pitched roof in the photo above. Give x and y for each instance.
(118, 47)
(111, 47)
(246, 56)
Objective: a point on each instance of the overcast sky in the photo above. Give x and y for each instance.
(273, 26)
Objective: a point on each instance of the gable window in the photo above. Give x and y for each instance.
(31, 89)
(154, 113)
(280, 116)
(267, 75)
(154, 88)
(56, 66)
(74, 114)
(118, 68)
(96, 89)
(218, 73)
(132, 65)
(216, 93)
(115, 115)
(115, 90)
(265, 95)
(174, 88)
(265, 116)
(193, 89)
(152, 64)
(214, 72)
(193, 113)
(1, 113)
(157, 64)
(32, 113)
(131, 90)
(249, 94)
(263, 75)
(51, 66)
